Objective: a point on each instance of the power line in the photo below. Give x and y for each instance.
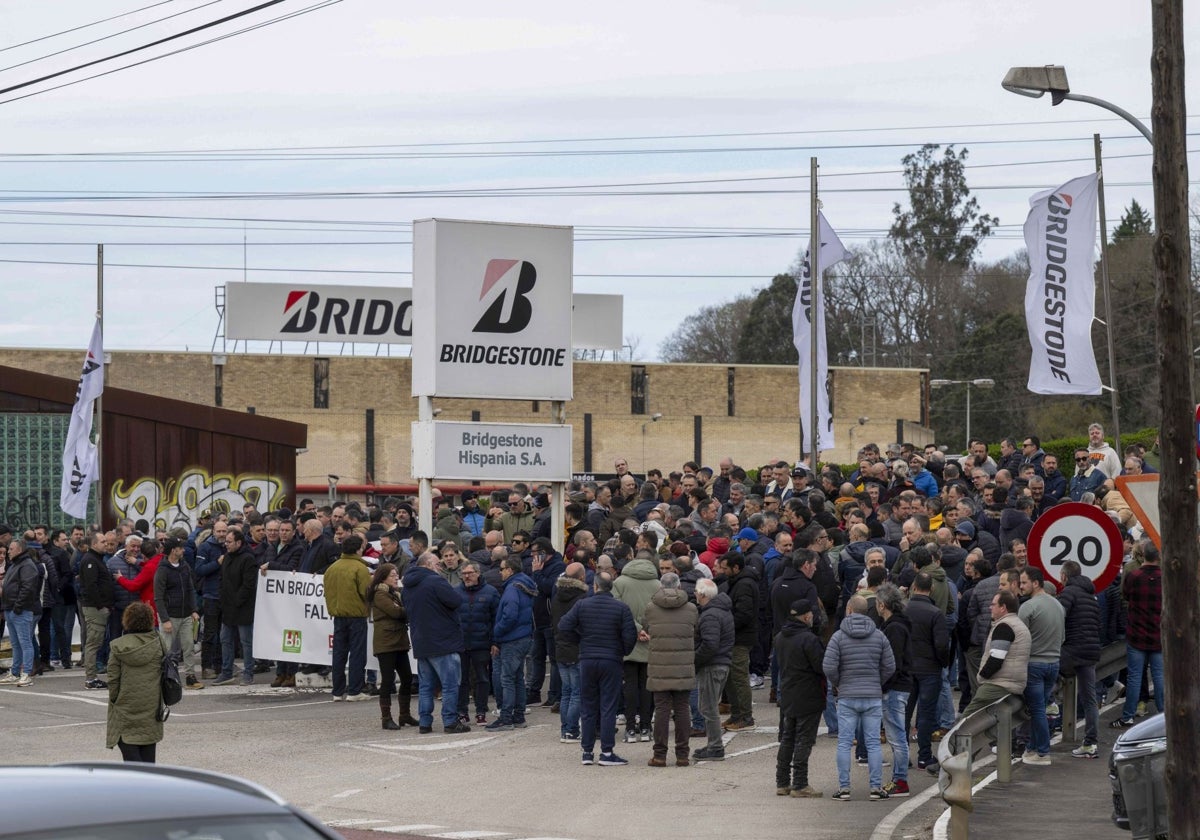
(82, 26)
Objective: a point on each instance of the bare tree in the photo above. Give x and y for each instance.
(710, 335)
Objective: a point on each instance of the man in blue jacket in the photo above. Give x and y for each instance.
(437, 637)
(603, 628)
(512, 639)
(548, 565)
(477, 617)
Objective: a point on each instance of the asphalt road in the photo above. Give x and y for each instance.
(335, 761)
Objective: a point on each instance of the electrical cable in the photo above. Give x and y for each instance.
(82, 26)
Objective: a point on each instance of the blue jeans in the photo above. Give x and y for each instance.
(512, 679)
(20, 631)
(568, 701)
(853, 711)
(694, 704)
(599, 691)
(1039, 688)
(831, 713)
(893, 725)
(1136, 660)
(929, 689)
(349, 642)
(946, 714)
(246, 633)
(447, 670)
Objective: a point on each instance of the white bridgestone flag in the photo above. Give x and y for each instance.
(79, 455)
(832, 253)
(1060, 298)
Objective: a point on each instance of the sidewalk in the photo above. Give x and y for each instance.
(1070, 798)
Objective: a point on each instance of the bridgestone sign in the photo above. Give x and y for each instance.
(491, 451)
(377, 315)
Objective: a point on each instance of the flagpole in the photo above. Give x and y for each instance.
(99, 417)
(814, 272)
(1108, 316)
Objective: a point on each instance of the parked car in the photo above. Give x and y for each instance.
(119, 801)
(1135, 769)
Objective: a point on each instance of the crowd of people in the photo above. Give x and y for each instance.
(861, 600)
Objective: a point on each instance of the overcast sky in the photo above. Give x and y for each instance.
(387, 97)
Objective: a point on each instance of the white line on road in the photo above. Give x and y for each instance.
(753, 750)
(87, 700)
(346, 793)
(249, 709)
(406, 829)
(439, 745)
(349, 823)
(65, 725)
(469, 835)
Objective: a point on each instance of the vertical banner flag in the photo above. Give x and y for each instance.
(1060, 298)
(832, 253)
(79, 455)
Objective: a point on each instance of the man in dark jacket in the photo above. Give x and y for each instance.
(889, 602)
(603, 628)
(23, 578)
(208, 577)
(548, 565)
(571, 587)
(512, 639)
(239, 585)
(743, 594)
(477, 615)
(713, 654)
(930, 654)
(63, 612)
(175, 602)
(1081, 648)
(96, 597)
(801, 699)
(432, 606)
(320, 552)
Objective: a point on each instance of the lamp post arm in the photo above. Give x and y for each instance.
(1109, 106)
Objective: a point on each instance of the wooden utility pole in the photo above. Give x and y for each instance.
(1177, 487)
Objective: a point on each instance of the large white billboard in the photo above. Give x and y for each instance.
(491, 310)
(491, 451)
(375, 314)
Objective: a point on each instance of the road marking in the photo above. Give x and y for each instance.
(248, 709)
(65, 725)
(346, 793)
(753, 750)
(349, 823)
(469, 835)
(406, 829)
(439, 745)
(87, 700)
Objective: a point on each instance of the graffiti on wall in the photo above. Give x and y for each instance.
(181, 500)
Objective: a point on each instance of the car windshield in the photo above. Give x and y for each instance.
(282, 827)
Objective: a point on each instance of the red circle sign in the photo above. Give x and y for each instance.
(1079, 532)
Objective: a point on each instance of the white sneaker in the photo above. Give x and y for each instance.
(357, 698)
(56, 663)
(25, 681)
(1052, 710)
(9, 679)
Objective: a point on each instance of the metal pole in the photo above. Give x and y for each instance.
(814, 273)
(425, 485)
(968, 447)
(99, 419)
(1108, 316)
(558, 489)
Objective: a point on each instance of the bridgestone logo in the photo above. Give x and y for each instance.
(346, 317)
(1055, 288)
(473, 354)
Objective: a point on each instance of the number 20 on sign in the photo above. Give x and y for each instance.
(1078, 532)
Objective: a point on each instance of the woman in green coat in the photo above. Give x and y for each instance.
(390, 645)
(135, 686)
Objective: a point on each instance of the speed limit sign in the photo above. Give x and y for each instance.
(1078, 532)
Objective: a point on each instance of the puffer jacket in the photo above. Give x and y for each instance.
(790, 586)
(859, 659)
(134, 689)
(514, 615)
(566, 594)
(714, 633)
(743, 594)
(635, 587)
(391, 620)
(930, 645)
(446, 527)
(23, 579)
(432, 606)
(601, 626)
(898, 630)
(715, 547)
(979, 610)
(552, 569)
(801, 680)
(1081, 645)
(208, 570)
(670, 620)
(477, 615)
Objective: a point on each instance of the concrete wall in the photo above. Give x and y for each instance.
(764, 426)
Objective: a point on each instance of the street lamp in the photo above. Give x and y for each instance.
(653, 419)
(1035, 82)
(978, 383)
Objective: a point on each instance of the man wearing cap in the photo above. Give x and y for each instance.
(799, 489)
(541, 517)
(175, 601)
(801, 699)
(970, 537)
(548, 565)
(472, 516)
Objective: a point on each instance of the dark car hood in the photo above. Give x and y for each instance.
(1148, 730)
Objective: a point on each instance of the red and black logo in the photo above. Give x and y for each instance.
(347, 317)
(510, 310)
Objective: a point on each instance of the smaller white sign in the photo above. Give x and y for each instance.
(491, 451)
(291, 622)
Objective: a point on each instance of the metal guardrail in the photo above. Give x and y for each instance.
(956, 752)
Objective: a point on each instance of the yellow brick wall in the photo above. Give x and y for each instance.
(765, 428)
